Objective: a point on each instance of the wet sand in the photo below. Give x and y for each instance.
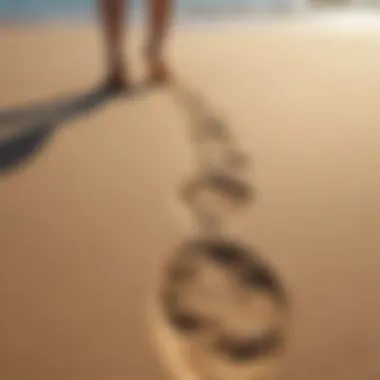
(86, 222)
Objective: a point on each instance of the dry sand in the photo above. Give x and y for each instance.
(85, 223)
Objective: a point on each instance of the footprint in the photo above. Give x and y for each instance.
(220, 314)
(217, 195)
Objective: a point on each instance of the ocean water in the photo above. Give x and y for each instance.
(50, 9)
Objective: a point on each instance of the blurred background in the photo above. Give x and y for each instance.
(187, 9)
(89, 208)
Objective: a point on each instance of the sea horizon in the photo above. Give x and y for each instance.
(16, 11)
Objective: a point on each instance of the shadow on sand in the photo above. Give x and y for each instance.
(24, 131)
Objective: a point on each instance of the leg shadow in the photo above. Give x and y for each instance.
(15, 150)
(24, 131)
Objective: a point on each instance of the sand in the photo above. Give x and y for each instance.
(87, 221)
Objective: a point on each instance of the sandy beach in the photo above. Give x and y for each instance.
(87, 217)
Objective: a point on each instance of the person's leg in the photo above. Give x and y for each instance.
(159, 21)
(112, 14)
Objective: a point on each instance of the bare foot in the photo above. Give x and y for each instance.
(117, 81)
(158, 73)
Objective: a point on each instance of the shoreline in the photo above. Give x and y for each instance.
(355, 17)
